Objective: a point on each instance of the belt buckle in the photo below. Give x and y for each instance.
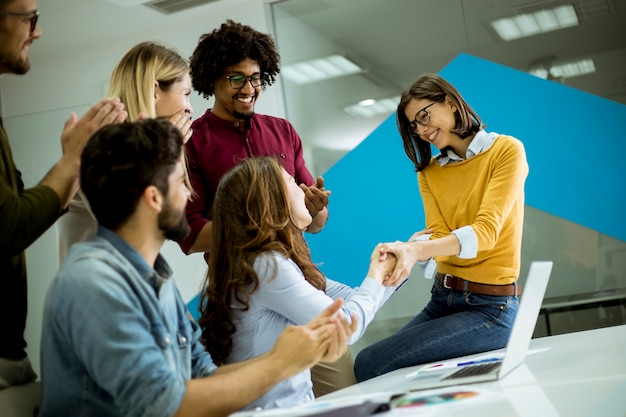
(445, 281)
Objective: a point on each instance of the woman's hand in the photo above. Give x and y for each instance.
(407, 254)
(381, 268)
(182, 120)
(340, 338)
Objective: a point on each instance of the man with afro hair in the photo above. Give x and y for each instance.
(235, 63)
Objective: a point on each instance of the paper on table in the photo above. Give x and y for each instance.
(449, 397)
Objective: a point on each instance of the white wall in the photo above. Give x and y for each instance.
(37, 104)
(316, 109)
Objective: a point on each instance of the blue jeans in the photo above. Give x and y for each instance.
(453, 323)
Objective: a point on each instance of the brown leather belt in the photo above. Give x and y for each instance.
(459, 284)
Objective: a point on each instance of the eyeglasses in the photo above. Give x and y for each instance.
(239, 81)
(422, 117)
(33, 16)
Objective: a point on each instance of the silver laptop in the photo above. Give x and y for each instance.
(516, 348)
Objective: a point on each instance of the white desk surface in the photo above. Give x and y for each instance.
(579, 374)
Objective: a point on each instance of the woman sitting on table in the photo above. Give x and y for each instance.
(473, 196)
(261, 277)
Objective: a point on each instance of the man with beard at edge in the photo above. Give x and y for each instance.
(27, 212)
(234, 64)
(117, 339)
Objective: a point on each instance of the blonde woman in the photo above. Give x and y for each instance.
(152, 81)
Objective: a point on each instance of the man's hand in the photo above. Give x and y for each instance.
(77, 132)
(301, 347)
(343, 331)
(316, 197)
(323, 338)
(63, 178)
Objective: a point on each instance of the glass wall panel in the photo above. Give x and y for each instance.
(393, 42)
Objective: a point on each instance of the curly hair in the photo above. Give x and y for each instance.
(435, 88)
(228, 45)
(251, 216)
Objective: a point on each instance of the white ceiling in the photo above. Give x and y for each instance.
(399, 39)
(87, 24)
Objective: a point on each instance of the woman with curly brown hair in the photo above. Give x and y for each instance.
(262, 279)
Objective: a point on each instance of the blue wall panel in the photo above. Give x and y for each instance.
(374, 198)
(575, 143)
(574, 140)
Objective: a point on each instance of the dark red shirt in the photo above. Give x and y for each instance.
(216, 145)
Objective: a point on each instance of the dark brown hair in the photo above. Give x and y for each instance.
(121, 159)
(435, 88)
(250, 216)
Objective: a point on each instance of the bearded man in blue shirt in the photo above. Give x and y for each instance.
(117, 339)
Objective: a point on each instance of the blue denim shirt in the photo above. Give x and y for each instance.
(116, 339)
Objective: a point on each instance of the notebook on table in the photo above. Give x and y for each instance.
(516, 348)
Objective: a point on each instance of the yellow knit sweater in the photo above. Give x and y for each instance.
(485, 192)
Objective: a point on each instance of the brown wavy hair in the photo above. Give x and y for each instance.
(251, 216)
(435, 88)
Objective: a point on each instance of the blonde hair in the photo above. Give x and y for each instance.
(133, 79)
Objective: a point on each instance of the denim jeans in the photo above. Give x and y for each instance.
(453, 323)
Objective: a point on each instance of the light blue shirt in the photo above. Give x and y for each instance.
(116, 339)
(466, 235)
(284, 297)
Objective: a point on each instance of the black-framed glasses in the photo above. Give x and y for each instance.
(422, 117)
(33, 16)
(239, 81)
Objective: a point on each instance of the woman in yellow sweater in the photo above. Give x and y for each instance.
(473, 196)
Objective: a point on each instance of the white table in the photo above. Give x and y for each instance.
(579, 374)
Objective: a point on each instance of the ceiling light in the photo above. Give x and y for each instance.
(371, 107)
(565, 70)
(128, 3)
(542, 21)
(573, 69)
(320, 69)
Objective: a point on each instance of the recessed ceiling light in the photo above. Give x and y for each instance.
(372, 107)
(565, 69)
(366, 102)
(573, 69)
(320, 69)
(128, 3)
(529, 24)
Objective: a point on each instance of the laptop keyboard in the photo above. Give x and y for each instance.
(468, 371)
